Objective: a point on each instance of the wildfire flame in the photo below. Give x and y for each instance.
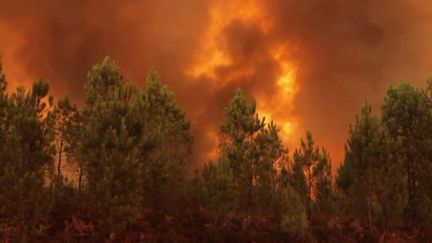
(213, 56)
(222, 14)
(279, 106)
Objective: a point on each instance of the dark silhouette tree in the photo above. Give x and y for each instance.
(311, 171)
(109, 148)
(239, 132)
(67, 125)
(166, 146)
(26, 153)
(407, 115)
(370, 173)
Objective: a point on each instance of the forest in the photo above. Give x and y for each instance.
(133, 177)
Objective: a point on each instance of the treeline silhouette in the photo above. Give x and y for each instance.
(132, 150)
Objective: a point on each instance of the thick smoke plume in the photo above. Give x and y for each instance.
(311, 64)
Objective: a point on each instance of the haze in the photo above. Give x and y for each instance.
(310, 64)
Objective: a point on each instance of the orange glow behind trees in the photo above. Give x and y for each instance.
(212, 56)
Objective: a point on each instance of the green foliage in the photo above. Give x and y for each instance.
(371, 173)
(133, 149)
(166, 144)
(67, 128)
(109, 147)
(406, 113)
(292, 215)
(3, 105)
(324, 198)
(26, 153)
(219, 189)
(251, 149)
(311, 174)
(101, 79)
(271, 151)
(297, 177)
(134, 146)
(3, 81)
(239, 131)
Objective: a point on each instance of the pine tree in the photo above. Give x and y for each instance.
(297, 176)
(219, 189)
(3, 105)
(407, 115)
(271, 151)
(166, 145)
(311, 169)
(289, 211)
(324, 195)
(26, 153)
(252, 150)
(109, 148)
(67, 125)
(370, 174)
(101, 79)
(287, 203)
(239, 132)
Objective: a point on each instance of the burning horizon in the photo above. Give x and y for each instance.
(310, 64)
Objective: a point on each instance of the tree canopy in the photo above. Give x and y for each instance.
(131, 153)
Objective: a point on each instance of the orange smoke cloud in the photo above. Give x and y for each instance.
(214, 56)
(222, 14)
(311, 64)
(12, 66)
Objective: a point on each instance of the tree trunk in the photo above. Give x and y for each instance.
(309, 210)
(60, 158)
(412, 206)
(80, 179)
(386, 216)
(369, 203)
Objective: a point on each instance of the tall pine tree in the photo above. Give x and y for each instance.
(109, 148)
(311, 172)
(166, 146)
(407, 115)
(26, 153)
(371, 175)
(252, 150)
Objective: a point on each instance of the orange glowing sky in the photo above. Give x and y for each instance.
(310, 64)
(211, 56)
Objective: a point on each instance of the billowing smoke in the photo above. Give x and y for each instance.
(350, 52)
(310, 64)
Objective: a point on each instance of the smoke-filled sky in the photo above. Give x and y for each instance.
(311, 64)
